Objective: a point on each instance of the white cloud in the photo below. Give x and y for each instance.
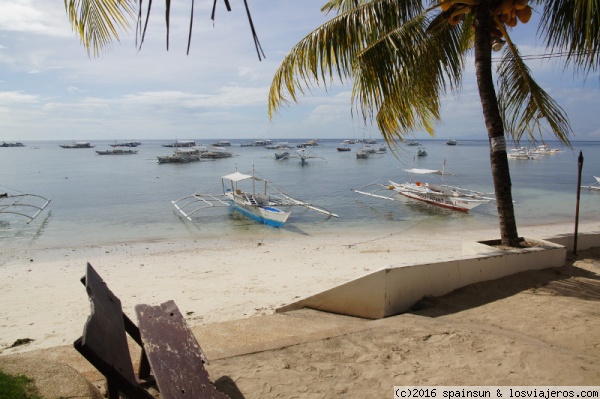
(33, 16)
(14, 97)
(49, 83)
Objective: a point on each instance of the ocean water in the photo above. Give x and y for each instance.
(110, 199)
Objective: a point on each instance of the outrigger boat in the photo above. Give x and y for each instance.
(455, 198)
(304, 155)
(262, 206)
(117, 151)
(595, 186)
(26, 205)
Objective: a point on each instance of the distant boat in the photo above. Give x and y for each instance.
(180, 157)
(309, 143)
(362, 154)
(344, 149)
(261, 143)
(304, 155)
(544, 149)
(16, 144)
(421, 152)
(127, 143)
(117, 151)
(77, 144)
(222, 143)
(181, 144)
(282, 155)
(451, 142)
(215, 153)
(279, 146)
(413, 143)
(520, 153)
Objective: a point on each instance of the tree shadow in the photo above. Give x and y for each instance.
(579, 278)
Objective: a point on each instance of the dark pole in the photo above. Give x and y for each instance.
(580, 164)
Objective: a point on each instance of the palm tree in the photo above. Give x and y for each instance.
(404, 56)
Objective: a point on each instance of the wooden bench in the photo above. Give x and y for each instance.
(171, 355)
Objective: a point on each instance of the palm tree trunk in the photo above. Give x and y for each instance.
(494, 125)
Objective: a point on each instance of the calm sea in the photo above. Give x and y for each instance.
(108, 199)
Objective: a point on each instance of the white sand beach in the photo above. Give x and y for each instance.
(211, 280)
(234, 278)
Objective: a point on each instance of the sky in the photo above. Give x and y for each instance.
(50, 89)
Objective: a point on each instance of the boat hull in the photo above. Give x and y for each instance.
(264, 214)
(418, 193)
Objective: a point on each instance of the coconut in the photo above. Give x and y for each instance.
(524, 15)
(520, 4)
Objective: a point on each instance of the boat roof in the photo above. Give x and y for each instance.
(425, 171)
(237, 176)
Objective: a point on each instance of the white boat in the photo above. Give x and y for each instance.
(309, 143)
(362, 154)
(26, 205)
(304, 155)
(450, 197)
(595, 186)
(240, 193)
(520, 153)
(413, 143)
(451, 142)
(544, 149)
(421, 152)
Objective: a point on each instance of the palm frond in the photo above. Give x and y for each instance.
(402, 76)
(573, 25)
(524, 104)
(341, 6)
(330, 50)
(97, 22)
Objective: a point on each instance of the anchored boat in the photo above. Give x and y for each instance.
(240, 193)
(450, 197)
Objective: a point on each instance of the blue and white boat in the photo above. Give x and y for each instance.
(240, 192)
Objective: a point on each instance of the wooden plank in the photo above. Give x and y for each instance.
(104, 341)
(174, 354)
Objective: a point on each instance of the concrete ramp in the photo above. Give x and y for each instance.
(395, 289)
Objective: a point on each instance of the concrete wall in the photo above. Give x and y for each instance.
(584, 240)
(395, 289)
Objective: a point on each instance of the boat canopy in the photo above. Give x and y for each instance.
(237, 176)
(426, 171)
